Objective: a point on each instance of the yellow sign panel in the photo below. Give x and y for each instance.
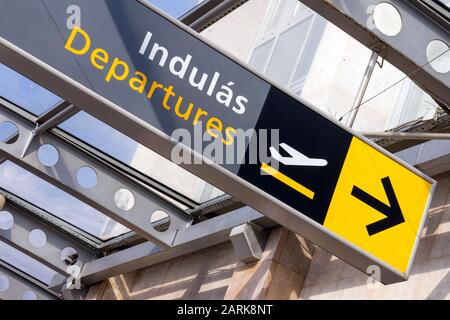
(378, 205)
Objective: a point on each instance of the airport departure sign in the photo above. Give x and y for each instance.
(143, 73)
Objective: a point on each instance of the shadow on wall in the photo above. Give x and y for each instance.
(203, 275)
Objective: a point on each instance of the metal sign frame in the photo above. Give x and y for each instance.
(156, 140)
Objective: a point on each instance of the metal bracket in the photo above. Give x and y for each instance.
(248, 242)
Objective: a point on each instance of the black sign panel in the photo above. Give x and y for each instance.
(311, 134)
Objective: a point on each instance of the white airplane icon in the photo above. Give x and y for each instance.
(296, 158)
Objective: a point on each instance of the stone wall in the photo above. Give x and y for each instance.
(214, 273)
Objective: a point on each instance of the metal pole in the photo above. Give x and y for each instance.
(362, 88)
(407, 135)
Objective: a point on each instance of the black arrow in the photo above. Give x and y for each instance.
(393, 213)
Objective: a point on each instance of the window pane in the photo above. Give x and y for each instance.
(128, 151)
(26, 264)
(287, 51)
(49, 198)
(260, 56)
(25, 93)
(310, 51)
(276, 14)
(176, 8)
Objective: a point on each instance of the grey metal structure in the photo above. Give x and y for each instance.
(405, 50)
(208, 12)
(408, 135)
(362, 88)
(52, 253)
(135, 215)
(17, 286)
(27, 218)
(248, 241)
(200, 236)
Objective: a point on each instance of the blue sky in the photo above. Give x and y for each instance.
(175, 8)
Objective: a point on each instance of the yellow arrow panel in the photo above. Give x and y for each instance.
(348, 216)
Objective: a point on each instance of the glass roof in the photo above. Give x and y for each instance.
(20, 182)
(36, 100)
(176, 8)
(25, 93)
(26, 264)
(27, 186)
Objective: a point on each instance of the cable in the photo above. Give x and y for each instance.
(393, 85)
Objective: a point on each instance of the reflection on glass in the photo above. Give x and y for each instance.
(176, 8)
(121, 147)
(8, 132)
(287, 52)
(25, 93)
(26, 264)
(438, 55)
(48, 197)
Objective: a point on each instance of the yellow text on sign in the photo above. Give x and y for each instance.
(347, 216)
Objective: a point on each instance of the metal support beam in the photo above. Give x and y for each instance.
(362, 88)
(42, 242)
(407, 49)
(53, 111)
(105, 159)
(65, 228)
(208, 12)
(248, 242)
(15, 285)
(200, 236)
(407, 135)
(432, 157)
(55, 120)
(114, 195)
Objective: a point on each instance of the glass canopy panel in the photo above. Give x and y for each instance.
(36, 100)
(176, 8)
(55, 201)
(121, 147)
(25, 93)
(26, 264)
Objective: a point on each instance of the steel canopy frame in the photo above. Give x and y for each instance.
(199, 236)
(208, 12)
(406, 50)
(51, 253)
(101, 196)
